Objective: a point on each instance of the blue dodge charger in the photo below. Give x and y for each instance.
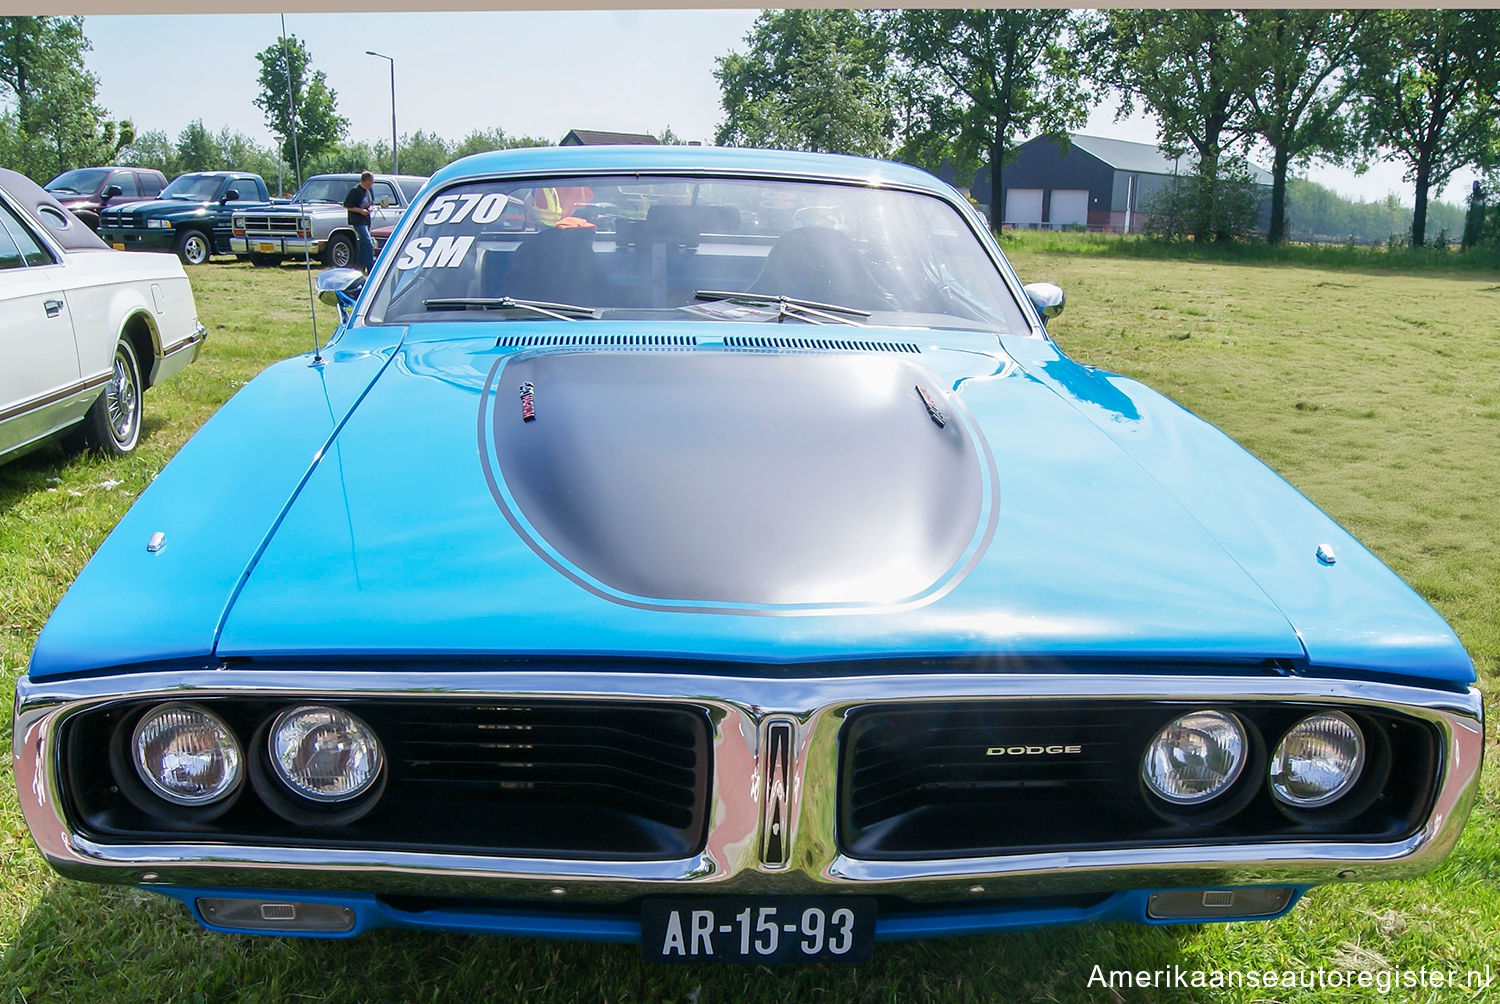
(710, 550)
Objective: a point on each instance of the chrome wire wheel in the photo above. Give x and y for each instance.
(122, 399)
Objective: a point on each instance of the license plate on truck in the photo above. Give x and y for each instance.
(263, 246)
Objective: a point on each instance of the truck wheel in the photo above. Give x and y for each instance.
(265, 260)
(340, 251)
(193, 247)
(113, 422)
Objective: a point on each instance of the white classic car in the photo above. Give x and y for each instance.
(84, 330)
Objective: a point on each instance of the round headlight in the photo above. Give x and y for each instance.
(324, 754)
(1318, 761)
(1196, 757)
(186, 755)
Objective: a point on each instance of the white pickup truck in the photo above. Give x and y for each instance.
(315, 222)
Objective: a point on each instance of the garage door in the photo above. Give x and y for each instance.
(1069, 206)
(1023, 206)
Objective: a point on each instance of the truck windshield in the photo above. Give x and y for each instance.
(326, 188)
(78, 182)
(198, 187)
(694, 248)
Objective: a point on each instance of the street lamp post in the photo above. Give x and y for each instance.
(392, 61)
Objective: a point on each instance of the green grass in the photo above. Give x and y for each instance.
(1326, 256)
(1374, 392)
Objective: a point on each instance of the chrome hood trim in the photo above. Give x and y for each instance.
(740, 709)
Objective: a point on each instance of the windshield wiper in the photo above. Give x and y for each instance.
(561, 311)
(812, 311)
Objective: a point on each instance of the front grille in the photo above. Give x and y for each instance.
(643, 763)
(1026, 776)
(120, 220)
(572, 779)
(272, 224)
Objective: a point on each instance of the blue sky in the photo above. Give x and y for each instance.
(537, 73)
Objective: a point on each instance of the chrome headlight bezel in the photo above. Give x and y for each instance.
(1353, 774)
(1230, 728)
(228, 743)
(370, 758)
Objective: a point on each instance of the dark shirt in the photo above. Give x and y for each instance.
(358, 198)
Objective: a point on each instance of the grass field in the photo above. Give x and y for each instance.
(1376, 393)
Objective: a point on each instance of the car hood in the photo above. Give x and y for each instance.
(166, 207)
(784, 500)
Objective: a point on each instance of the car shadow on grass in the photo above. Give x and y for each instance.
(86, 942)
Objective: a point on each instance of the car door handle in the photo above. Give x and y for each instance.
(53, 307)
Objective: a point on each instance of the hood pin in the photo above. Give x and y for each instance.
(528, 402)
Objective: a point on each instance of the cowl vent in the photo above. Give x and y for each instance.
(819, 344)
(604, 340)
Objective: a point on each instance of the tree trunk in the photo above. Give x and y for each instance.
(1203, 196)
(1279, 165)
(1419, 211)
(997, 190)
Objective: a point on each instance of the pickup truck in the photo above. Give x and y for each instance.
(191, 217)
(315, 221)
(86, 190)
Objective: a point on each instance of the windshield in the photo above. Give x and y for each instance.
(201, 187)
(326, 188)
(694, 248)
(85, 179)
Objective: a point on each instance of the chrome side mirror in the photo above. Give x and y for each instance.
(339, 287)
(1047, 298)
(334, 281)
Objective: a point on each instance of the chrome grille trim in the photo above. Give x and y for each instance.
(271, 224)
(737, 706)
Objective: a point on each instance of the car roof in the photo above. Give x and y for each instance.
(378, 175)
(625, 159)
(75, 236)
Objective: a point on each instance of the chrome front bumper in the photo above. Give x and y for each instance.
(743, 712)
(274, 245)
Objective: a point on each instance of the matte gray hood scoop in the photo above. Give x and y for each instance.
(738, 481)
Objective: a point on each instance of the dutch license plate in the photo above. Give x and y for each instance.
(118, 246)
(758, 929)
(265, 247)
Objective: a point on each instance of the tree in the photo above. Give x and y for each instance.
(1299, 107)
(1196, 71)
(152, 149)
(813, 80)
(484, 140)
(298, 104)
(981, 79)
(1431, 86)
(56, 123)
(421, 152)
(1233, 198)
(197, 149)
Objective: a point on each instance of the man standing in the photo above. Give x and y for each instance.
(358, 203)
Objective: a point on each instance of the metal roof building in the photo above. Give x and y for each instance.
(1096, 183)
(600, 137)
